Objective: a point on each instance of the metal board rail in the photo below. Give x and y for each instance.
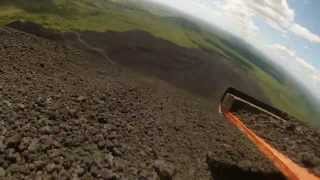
(289, 168)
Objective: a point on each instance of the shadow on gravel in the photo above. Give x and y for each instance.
(223, 171)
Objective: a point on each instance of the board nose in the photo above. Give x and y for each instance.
(285, 165)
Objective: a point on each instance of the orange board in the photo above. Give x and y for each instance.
(289, 168)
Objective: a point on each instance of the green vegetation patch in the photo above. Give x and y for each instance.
(86, 15)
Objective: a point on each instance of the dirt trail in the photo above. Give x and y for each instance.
(95, 49)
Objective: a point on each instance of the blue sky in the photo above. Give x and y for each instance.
(308, 15)
(288, 31)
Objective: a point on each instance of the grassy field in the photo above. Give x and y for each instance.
(88, 15)
(282, 95)
(284, 98)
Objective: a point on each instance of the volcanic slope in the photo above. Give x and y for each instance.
(67, 112)
(194, 70)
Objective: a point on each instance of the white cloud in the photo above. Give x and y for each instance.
(207, 10)
(298, 67)
(316, 77)
(306, 47)
(288, 57)
(239, 15)
(305, 33)
(276, 13)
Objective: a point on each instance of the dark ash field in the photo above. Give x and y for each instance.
(84, 105)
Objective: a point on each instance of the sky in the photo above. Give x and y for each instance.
(288, 31)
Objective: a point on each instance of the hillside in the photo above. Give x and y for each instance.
(121, 16)
(96, 119)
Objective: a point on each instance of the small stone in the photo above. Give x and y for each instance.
(20, 91)
(39, 175)
(130, 128)
(17, 169)
(14, 141)
(101, 144)
(107, 174)
(51, 167)
(45, 130)
(34, 145)
(73, 112)
(2, 172)
(81, 98)
(166, 171)
(299, 130)
(119, 165)
(79, 171)
(94, 171)
(115, 151)
(21, 106)
(41, 102)
(2, 144)
(75, 177)
(11, 155)
(98, 101)
(109, 159)
(245, 164)
(23, 145)
(291, 127)
(9, 104)
(39, 164)
(103, 118)
(309, 160)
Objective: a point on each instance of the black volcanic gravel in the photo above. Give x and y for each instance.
(68, 114)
